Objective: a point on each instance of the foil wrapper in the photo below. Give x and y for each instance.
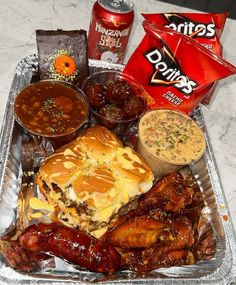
(221, 269)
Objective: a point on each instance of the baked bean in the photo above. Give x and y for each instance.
(64, 104)
(33, 99)
(24, 107)
(36, 104)
(71, 129)
(66, 116)
(46, 119)
(54, 120)
(48, 129)
(58, 116)
(50, 108)
(40, 113)
(38, 130)
(34, 123)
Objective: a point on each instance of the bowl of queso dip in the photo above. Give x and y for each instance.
(51, 109)
(169, 140)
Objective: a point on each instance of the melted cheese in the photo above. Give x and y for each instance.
(37, 204)
(98, 233)
(171, 136)
(37, 215)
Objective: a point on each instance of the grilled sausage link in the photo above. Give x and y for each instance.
(72, 245)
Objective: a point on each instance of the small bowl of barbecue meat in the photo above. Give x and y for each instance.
(116, 100)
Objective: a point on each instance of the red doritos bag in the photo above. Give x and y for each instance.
(205, 28)
(174, 69)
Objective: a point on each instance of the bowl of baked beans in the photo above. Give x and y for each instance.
(52, 109)
(116, 100)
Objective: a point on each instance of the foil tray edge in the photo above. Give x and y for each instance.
(225, 275)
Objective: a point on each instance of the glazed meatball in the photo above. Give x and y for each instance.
(95, 96)
(112, 113)
(134, 107)
(118, 92)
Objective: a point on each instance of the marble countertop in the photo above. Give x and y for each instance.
(20, 19)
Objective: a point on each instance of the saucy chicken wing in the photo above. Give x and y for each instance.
(141, 231)
(148, 230)
(152, 258)
(169, 194)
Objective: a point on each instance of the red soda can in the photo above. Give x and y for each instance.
(110, 28)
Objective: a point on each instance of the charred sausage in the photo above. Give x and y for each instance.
(72, 245)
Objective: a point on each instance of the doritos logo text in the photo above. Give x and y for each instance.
(189, 27)
(168, 72)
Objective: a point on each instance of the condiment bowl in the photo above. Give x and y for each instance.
(53, 110)
(169, 140)
(116, 99)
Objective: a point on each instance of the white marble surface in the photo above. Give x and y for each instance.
(20, 19)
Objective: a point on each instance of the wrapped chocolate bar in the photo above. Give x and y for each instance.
(206, 28)
(63, 55)
(175, 68)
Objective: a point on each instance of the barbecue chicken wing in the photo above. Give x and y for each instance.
(170, 193)
(152, 258)
(152, 229)
(158, 244)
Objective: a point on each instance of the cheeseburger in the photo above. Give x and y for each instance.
(91, 178)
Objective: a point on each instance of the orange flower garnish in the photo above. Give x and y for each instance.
(65, 65)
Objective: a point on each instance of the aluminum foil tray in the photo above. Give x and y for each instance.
(219, 270)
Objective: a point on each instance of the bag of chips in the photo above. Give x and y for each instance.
(206, 28)
(175, 69)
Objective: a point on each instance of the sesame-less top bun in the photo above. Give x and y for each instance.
(92, 177)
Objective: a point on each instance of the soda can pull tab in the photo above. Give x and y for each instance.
(117, 3)
(117, 6)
